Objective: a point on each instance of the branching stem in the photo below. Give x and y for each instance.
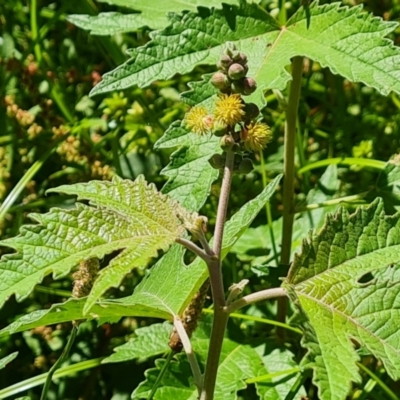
(194, 248)
(255, 297)
(214, 266)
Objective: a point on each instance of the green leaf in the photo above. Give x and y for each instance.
(154, 13)
(149, 341)
(110, 23)
(171, 283)
(72, 309)
(190, 175)
(5, 360)
(191, 39)
(238, 363)
(122, 215)
(259, 241)
(347, 40)
(346, 286)
(270, 384)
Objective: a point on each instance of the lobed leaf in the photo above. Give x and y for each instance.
(165, 292)
(347, 40)
(346, 285)
(122, 215)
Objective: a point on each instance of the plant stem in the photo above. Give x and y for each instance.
(255, 297)
(288, 184)
(194, 248)
(160, 375)
(194, 365)
(268, 211)
(217, 288)
(217, 338)
(223, 203)
(62, 358)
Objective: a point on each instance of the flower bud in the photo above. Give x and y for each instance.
(225, 60)
(230, 48)
(242, 59)
(251, 110)
(246, 166)
(249, 85)
(236, 71)
(220, 80)
(235, 55)
(217, 161)
(227, 142)
(219, 129)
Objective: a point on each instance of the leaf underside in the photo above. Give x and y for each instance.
(121, 215)
(347, 40)
(346, 285)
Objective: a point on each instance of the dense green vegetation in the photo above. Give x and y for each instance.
(66, 120)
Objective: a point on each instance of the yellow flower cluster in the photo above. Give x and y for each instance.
(256, 135)
(198, 120)
(229, 109)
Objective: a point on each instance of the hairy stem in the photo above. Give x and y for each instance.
(214, 266)
(255, 297)
(288, 184)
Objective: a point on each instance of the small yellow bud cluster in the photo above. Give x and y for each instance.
(233, 120)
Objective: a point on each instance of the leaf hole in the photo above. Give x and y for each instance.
(366, 279)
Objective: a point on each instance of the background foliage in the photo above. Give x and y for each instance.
(52, 133)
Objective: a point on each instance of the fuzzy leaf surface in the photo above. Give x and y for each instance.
(121, 215)
(347, 40)
(346, 285)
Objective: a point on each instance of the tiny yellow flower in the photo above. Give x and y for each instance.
(229, 109)
(198, 120)
(255, 136)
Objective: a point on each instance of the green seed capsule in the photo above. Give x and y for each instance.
(217, 161)
(246, 166)
(251, 110)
